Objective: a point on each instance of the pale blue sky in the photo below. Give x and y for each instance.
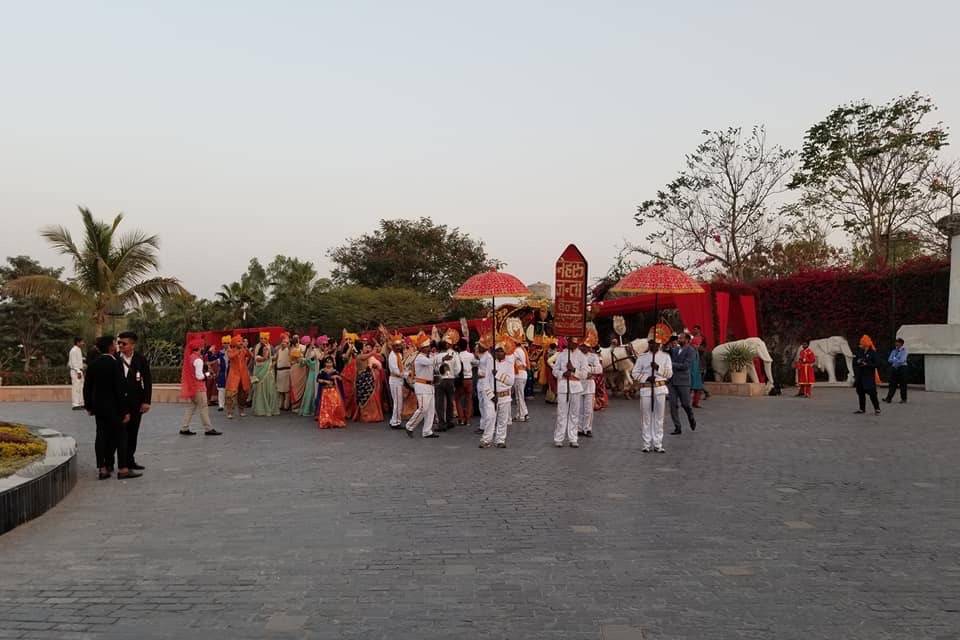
(236, 129)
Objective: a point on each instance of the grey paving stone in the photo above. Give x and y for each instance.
(364, 533)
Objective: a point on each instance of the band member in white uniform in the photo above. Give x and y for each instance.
(423, 386)
(653, 370)
(485, 386)
(397, 375)
(570, 369)
(594, 368)
(521, 362)
(496, 429)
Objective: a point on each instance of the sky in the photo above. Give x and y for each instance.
(240, 129)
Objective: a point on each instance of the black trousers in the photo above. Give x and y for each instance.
(445, 390)
(898, 380)
(680, 396)
(132, 429)
(111, 437)
(862, 398)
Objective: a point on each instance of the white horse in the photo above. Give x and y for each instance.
(617, 364)
(826, 350)
(759, 347)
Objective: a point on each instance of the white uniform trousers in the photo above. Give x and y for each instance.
(496, 429)
(76, 389)
(426, 409)
(488, 410)
(568, 417)
(652, 419)
(396, 395)
(519, 395)
(221, 396)
(586, 412)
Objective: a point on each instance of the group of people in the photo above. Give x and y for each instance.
(116, 388)
(866, 377)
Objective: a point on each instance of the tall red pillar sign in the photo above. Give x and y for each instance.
(570, 294)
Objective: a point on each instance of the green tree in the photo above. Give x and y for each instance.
(33, 327)
(716, 211)
(362, 308)
(867, 166)
(110, 270)
(413, 254)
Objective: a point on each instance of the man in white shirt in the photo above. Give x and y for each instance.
(594, 368)
(485, 369)
(463, 397)
(570, 370)
(653, 370)
(75, 362)
(447, 366)
(521, 362)
(397, 375)
(496, 429)
(423, 367)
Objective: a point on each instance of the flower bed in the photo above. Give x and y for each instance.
(18, 448)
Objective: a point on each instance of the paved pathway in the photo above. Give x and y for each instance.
(779, 518)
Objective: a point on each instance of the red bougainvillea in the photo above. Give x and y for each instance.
(838, 302)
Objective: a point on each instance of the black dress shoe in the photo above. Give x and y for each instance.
(478, 431)
(103, 476)
(409, 432)
(588, 434)
(887, 400)
(580, 433)
(693, 425)
(432, 435)
(675, 432)
(859, 411)
(187, 432)
(128, 475)
(136, 466)
(212, 432)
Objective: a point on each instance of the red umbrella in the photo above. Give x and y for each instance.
(657, 279)
(492, 284)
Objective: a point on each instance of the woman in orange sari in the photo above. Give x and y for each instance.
(331, 413)
(369, 386)
(806, 358)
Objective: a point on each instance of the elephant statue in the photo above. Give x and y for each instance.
(618, 362)
(759, 348)
(826, 350)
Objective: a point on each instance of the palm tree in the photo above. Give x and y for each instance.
(239, 298)
(109, 270)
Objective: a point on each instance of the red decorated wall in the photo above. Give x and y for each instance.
(819, 304)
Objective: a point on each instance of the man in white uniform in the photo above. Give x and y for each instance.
(397, 375)
(654, 370)
(423, 386)
(75, 362)
(570, 370)
(594, 368)
(521, 362)
(484, 385)
(496, 429)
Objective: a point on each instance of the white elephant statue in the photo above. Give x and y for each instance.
(617, 364)
(759, 347)
(826, 350)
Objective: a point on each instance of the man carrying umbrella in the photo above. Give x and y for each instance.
(653, 370)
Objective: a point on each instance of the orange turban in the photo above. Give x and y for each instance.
(867, 343)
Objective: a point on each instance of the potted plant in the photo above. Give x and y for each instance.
(738, 357)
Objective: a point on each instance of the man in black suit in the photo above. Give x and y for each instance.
(682, 357)
(103, 398)
(137, 388)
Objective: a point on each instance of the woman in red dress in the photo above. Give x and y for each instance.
(806, 358)
(331, 413)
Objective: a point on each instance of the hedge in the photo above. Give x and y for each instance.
(839, 302)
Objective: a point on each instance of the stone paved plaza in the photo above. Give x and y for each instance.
(778, 518)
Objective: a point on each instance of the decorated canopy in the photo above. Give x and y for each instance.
(657, 278)
(491, 284)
